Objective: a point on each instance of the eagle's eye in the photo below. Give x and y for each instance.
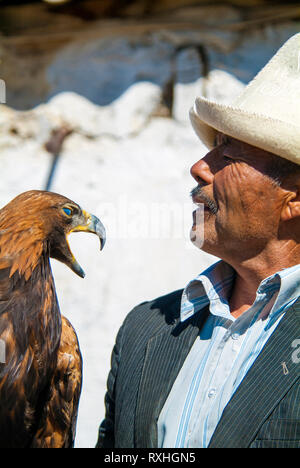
(68, 211)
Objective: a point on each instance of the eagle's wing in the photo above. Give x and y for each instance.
(58, 423)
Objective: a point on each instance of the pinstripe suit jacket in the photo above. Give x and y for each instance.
(150, 349)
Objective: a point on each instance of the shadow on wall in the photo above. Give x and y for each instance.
(101, 61)
(103, 70)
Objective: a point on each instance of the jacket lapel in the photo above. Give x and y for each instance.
(270, 377)
(165, 355)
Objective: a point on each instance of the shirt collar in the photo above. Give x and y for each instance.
(212, 287)
(288, 284)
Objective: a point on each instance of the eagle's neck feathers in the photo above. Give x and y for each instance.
(27, 285)
(22, 250)
(30, 304)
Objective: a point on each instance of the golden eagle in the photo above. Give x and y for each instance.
(40, 365)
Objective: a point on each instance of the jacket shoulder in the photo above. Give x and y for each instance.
(162, 310)
(152, 317)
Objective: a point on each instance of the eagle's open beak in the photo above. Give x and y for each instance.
(91, 224)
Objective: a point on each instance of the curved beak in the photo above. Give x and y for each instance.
(93, 225)
(90, 224)
(96, 227)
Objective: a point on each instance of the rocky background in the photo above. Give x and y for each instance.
(121, 76)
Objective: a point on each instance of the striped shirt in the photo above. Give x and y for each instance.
(222, 354)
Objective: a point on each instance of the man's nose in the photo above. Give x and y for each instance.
(201, 172)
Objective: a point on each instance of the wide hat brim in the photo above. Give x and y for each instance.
(275, 136)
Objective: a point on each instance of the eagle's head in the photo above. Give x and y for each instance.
(38, 222)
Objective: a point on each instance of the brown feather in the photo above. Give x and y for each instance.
(40, 382)
(58, 422)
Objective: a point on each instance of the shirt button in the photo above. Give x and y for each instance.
(235, 336)
(211, 393)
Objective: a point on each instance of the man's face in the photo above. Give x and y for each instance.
(242, 205)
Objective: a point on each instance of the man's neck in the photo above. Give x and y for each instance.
(249, 275)
(242, 296)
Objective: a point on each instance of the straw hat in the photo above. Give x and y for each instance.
(266, 114)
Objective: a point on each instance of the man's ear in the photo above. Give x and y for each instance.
(291, 208)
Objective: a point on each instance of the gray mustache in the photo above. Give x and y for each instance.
(211, 204)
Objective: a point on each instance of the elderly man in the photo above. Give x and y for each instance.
(218, 364)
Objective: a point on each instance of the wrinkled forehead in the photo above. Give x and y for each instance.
(222, 138)
(239, 148)
(281, 170)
